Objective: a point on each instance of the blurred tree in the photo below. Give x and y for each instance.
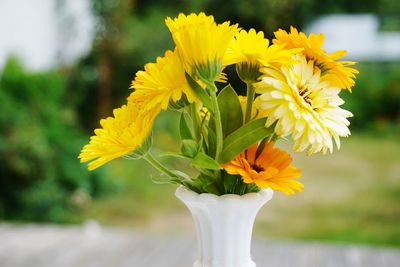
(40, 176)
(267, 15)
(112, 16)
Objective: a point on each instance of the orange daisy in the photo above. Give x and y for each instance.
(270, 169)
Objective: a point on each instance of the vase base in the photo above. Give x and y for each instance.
(248, 264)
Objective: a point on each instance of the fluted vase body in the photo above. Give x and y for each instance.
(224, 226)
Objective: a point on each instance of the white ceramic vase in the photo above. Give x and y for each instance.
(224, 226)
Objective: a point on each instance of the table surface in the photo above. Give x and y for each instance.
(93, 246)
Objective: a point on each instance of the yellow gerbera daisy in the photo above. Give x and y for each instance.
(201, 43)
(119, 135)
(271, 169)
(161, 82)
(247, 46)
(250, 49)
(304, 106)
(338, 73)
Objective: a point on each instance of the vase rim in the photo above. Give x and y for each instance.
(186, 194)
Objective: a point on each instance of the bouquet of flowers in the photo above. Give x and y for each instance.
(292, 86)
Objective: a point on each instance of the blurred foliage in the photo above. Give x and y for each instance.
(375, 101)
(41, 178)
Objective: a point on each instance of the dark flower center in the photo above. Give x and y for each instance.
(257, 168)
(304, 92)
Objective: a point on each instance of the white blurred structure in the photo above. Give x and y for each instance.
(45, 33)
(359, 35)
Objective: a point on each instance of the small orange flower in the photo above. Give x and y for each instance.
(271, 169)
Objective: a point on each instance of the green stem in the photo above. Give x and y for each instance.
(218, 125)
(249, 102)
(156, 164)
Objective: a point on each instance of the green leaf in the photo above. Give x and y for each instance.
(194, 116)
(189, 148)
(230, 109)
(203, 129)
(212, 189)
(208, 184)
(204, 161)
(190, 184)
(244, 137)
(184, 128)
(212, 139)
(230, 183)
(200, 92)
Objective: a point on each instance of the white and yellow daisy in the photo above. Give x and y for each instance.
(303, 105)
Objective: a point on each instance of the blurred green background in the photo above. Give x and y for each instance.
(46, 116)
